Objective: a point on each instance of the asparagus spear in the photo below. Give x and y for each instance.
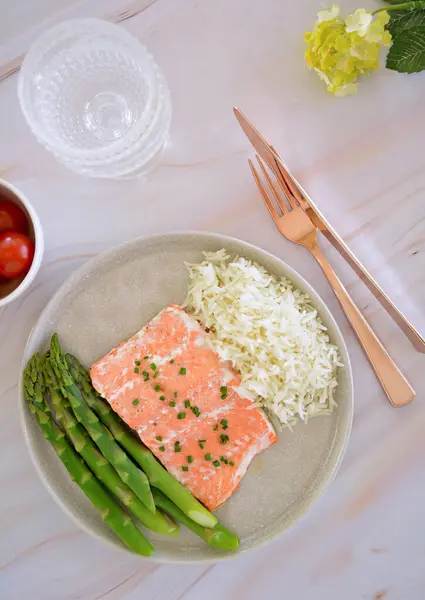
(217, 536)
(112, 514)
(158, 476)
(126, 469)
(98, 464)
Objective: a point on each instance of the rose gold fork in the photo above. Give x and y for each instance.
(297, 227)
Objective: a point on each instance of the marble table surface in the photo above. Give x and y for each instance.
(362, 160)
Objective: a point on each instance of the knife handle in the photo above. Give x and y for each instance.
(395, 385)
(398, 317)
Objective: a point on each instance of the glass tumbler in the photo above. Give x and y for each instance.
(92, 94)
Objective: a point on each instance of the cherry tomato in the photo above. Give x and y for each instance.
(16, 254)
(12, 218)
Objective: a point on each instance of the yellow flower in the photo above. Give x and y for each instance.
(341, 51)
(358, 22)
(328, 15)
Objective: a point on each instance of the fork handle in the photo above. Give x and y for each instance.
(395, 385)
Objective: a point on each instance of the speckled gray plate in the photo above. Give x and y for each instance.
(114, 295)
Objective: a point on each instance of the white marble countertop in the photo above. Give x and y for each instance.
(362, 160)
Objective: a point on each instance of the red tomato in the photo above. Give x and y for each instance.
(12, 218)
(16, 254)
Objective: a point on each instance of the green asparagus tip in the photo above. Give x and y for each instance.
(34, 385)
(47, 369)
(78, 370)
(33, 368)
(30, 375)
(50, 376)
(58, 361)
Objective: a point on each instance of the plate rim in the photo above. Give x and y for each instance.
(318, 492)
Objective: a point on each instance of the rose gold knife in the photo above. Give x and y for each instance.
(270, 156)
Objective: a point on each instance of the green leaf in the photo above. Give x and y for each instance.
(402, 20)
(407, 53)
(413, 5)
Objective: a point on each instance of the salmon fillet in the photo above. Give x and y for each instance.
(169, 385)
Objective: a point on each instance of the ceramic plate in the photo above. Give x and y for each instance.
(114, 295)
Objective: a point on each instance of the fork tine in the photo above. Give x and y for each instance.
(283, 184)
(272, 210)
(275, 192)
(290, 183)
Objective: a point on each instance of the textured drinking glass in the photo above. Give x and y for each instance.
(92, 94)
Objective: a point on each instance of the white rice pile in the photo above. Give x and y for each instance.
(269, 332)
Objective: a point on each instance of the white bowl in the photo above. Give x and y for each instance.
(17, 286)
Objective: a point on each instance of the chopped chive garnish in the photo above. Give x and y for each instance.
(182, 371)
(162, 448)
(145, 374)
(135, 401)
(172, 404)
(157, 388)
(231, 463)
(215, 427)
(181, 415)
(137, 363)
(155, 375)
(185, 468)
(159, 438)
(171, 361)
(224, 438)
(177, 447)
(201, 445)
(153, 366)
(202, 440)
(190, 459)
(145, 357)
(208, 456)
(224, 423)
(223, 389)
(175, 394)
(186, 403)
(195, 411)
(216, 463)
(222, 458)
(162, 398)
(136, 369)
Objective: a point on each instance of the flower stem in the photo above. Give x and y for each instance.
(414, 5)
